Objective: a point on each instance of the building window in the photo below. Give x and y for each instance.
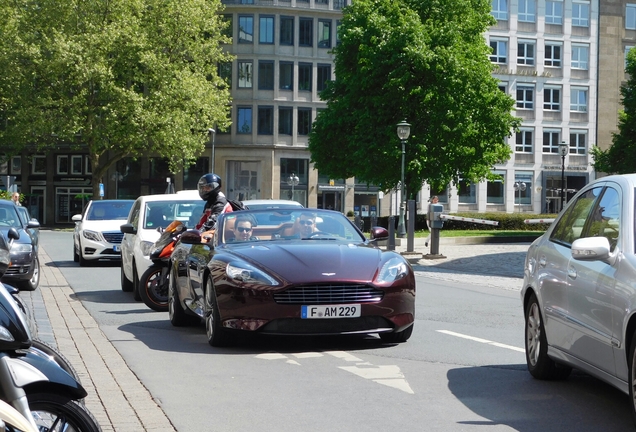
(553, 54)
(527, 10)
(525, 53)
(338, 32)
(265, 120)
(88, 166)
(266, 29)
(524, 141)
(304, 121)
(62, 164)
(243, 180)
(578, 99)
(499, 9)
(286, 76)
(580, 56)
(339, 4)
(324, 75)
(627, 48)
(38, 165)
(554, 12)
(503, 86)
(245, 74)
(246, 29)
(324, 33)
(551, 141)
(244, 120)
(524, 197)
(525, 96)
(16, 165)
(76, 164)
(630, 16)
(304, 76)
(225, 73)
(467, 192)
(499, 51)
(266, 75)
(285, 120)
(305, 31)
(580, 14)
(286, 30)
(495, 189)
(552, 99)
(578, 142)
(228, 31)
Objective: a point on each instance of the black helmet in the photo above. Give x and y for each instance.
(209, 185)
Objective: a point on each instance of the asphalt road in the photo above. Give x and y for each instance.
(463, 368)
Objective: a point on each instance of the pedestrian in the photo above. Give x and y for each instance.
(433, 200)
(15, 197)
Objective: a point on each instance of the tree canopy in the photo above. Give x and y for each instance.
(425, 61)
(620, 157)
(118, 78)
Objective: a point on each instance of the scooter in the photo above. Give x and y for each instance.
(12, 420)
(153, 284)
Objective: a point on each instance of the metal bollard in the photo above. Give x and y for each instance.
(391, 242)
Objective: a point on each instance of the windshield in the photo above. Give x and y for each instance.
(161, 213)
(286, 224)
(109, 210)
(9, 217)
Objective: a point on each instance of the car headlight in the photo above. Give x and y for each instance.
(145, 247)
(392, 270)
(92, 235)
(246, 273)
(21, 248)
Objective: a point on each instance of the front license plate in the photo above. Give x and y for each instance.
(116, 248)
(330, 311)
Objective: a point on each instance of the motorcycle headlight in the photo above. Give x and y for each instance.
(21, 248)
(392, 270)
(146, 247)
(246, 273)
(92, 235)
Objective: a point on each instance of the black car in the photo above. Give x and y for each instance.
(24, 270)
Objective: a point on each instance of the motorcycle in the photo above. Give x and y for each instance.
(12, 420)
(153, 284)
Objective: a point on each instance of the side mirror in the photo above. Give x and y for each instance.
(191, 237)
(591, 249)
(128, 229)
(33, 223)
(379, 233)
(77, 218)
(13, 234)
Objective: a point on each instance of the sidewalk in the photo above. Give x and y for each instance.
(121, 403)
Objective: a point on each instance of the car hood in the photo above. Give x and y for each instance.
(313, 260)
(102, 225)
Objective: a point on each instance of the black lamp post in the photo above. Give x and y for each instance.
(403, 132)
(563, 150)
(212, 134)
(520, 187)
(293, 181)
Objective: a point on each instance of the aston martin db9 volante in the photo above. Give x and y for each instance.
(290, 272)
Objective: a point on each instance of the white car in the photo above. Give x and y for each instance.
(140, 231)
(97, 235)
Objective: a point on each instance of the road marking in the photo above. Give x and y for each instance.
(484, 341)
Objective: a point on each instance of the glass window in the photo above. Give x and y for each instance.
(38, 165)
(286, 76)
(76, 164)
(499, 51)
(338, 32)
(553, 54)
(224, 70)
(266, 29)
(630, 16)
(266, 75)
(246, 29)
(578, 142)
(525, 53)
(285, 120)
(62, 164)
(324, 75)
(244, 120)
(578, 99)
(324, 33)
(304, 76)
(88, 167)
(245, 74)
(495, 189)
(525, 96)
(16, 165)
(523, 196)
(580, 14)
(286, 30)
(524, 141)
(527, 10)
(229, 25)
(467, 192)
(265, 120)
(627, 48)
(339, 4)
(554, 12)
(551, 139)
(552, 99)
(305, 31)
(499, 9)
(604, 220)
(304, 121)
(570, 226)
(580, 56)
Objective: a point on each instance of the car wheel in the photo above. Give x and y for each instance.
(398, 337)
(126, 285)
(75, 255)
(540, 365)
(135, 282)
(33, 283)
(153, 288)
(632, 376)
(178, 316)
(217, 335)
(80, 257)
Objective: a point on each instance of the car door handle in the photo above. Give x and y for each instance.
(572, 272)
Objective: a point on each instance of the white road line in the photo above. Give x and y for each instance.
(484, 341)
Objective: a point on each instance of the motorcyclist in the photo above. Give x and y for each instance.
(209, 187)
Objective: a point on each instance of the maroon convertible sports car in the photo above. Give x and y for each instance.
(291, 272)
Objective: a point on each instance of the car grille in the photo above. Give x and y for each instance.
(113, 237)
(329, 294)
(17, 270)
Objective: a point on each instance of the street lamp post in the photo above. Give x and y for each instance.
(563, 150)
(212, 134)
(403, 132)
(293, 181)
(520, 187)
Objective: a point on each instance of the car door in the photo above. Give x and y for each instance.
(591, 287)
(128, 241)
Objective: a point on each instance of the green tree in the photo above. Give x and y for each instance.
(121, 78)
(425, 61)
(620, 156)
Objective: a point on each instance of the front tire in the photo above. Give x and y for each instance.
(75, 254)
(135, 284)
(176, 313)
(153, 289)
(217, 335)
(126, 285)
(540, 365)
(632, 376)
(32, 284)
(65, 414)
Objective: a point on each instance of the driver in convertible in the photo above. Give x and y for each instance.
(307, 224)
